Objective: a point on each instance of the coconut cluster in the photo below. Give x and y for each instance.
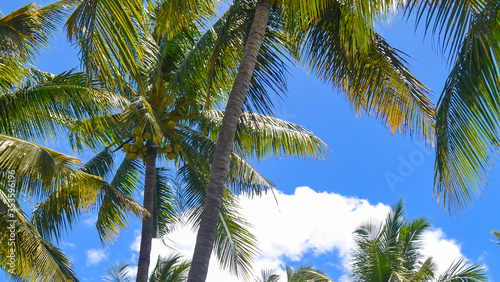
(171, 150)
(138, 148)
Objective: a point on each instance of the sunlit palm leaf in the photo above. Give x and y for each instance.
(109, 34)
(117, 273)
(47, 103)
(25, 30)
(374, 79)
(267, 275)
(35, 258)
(259, 136)
(186, 12)
(38, 168)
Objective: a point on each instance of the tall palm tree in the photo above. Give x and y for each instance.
(467, 116)
(163, 119)
(391, 251)
(337, 41)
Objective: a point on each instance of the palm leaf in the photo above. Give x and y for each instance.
(164, 203)
(116, 200)
(463, 272)
(170, 269)
(374, 79)
(496, 234)
(35, 258)
(467, 119)
(109, 34)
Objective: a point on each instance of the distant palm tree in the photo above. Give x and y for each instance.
(301, 274)
(167, 269)
(391, 251)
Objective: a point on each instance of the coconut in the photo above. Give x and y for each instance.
(126, 147)
(146, 136)
(167, 149)
(177, 148)
(171, 156)
(133, 148)
(171, 124)
(139, 139)
(138, 145)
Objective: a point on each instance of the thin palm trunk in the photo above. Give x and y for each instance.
(218, 175)
(147, 223)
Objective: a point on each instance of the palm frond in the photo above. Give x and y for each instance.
(170, 269)
(496, 234)
(262, 136)
(461, 271)
(164, 203)
(186, 13)
(235, 246)
(117, 273)
(374, 79)
(24, 31)
(109, 35)
(47, 103)
(467, 119)
(38, 168)
(117, 202)
(35, 258)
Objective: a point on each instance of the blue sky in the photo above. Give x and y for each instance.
(322, 201)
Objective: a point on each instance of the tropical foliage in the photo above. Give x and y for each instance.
(166, 117)
(338, 42)
(467, 114)
(392, 251)
(34, 107)
(301, 274)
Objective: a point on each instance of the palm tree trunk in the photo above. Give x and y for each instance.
(147, 223)
(218, 175)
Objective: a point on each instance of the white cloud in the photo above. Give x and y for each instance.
(90, 221)
(94, 256)
(68, 244)
(442, 250)
(303, 223)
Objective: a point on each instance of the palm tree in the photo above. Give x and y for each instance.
(391, 251)
(467, 114)
(163, 107)
(337, 41)
(167, 269)
(36, 106)
(302, 274)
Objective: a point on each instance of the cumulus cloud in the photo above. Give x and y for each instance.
(442, 250)
(94, 256)
(304, 223)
